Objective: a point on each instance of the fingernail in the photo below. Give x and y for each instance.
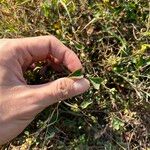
(80, 86)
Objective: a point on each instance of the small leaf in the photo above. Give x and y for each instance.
(117, 123)
(76, 74)
(75, 108)
(96, 81)
(85, 104)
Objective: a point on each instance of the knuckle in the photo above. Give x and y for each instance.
(7, 46)
(52, 37)
(63, 89)
(4, 43)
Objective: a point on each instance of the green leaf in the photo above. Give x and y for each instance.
(96, 81)
(117, 123)
(76, 74)
(85, 104)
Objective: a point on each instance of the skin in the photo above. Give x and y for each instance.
(19, 102)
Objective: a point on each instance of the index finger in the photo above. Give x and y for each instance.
(38, 48)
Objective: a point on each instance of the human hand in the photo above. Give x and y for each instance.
(19, 102)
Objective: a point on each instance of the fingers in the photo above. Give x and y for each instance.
(58, 90)
(39, 48)
(26, 102)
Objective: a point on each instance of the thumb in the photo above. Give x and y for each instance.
(58, 90)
